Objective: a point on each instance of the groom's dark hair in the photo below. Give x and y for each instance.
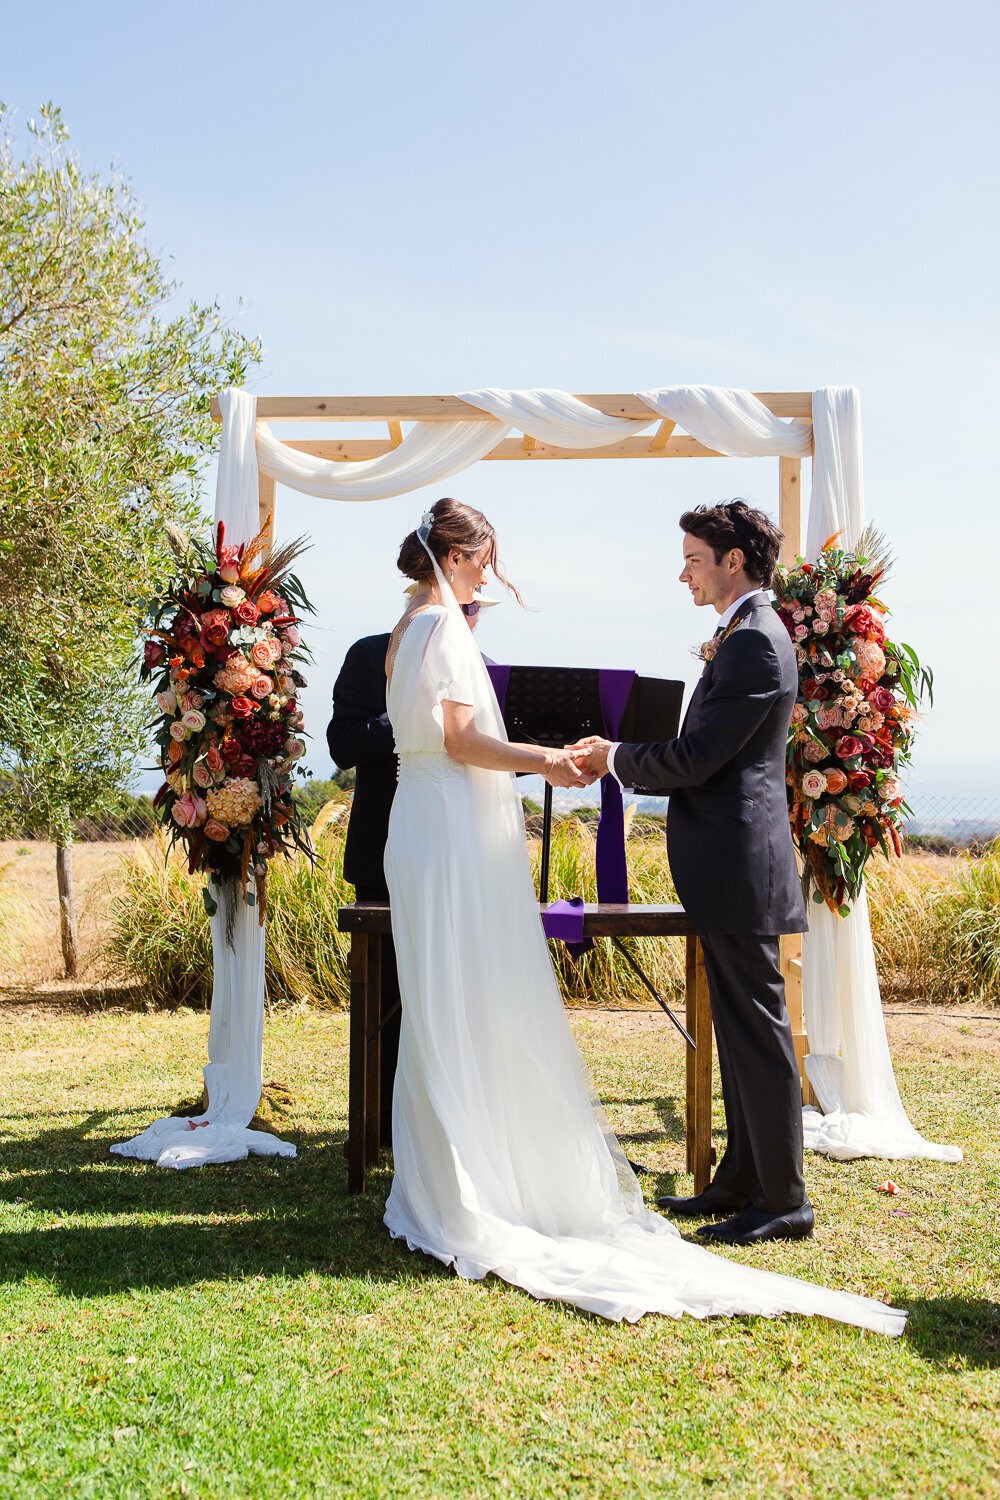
(734, 523)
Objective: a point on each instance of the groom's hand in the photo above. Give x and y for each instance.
(563, 770)
(591, 755)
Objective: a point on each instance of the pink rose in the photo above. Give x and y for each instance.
(231, 596)
(801, 631)
(814, 751)
(847, 746)
(189, 811)
(814, 783)
(261, 686)
(294, 748)
(229, 572)
(202, 775)
(820, 626)
(829, 717)
(216, 831)
(178, 731)
(292, 636)
(194, 720)
(881, 700)
(247, 612)
(167, 701)
(260, 654)
(891, 790)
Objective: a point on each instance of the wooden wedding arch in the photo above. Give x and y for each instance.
(662, 443)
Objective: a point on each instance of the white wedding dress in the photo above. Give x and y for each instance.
(504, 1161)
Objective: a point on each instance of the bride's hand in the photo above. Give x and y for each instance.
(562, 770)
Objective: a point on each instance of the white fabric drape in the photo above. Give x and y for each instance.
(429, 452)
(848, 1064)
(555, 417)
(233, 1074)
(730, 422)
(837, 500)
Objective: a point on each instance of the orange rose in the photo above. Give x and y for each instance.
(216, 831)
(836, 781)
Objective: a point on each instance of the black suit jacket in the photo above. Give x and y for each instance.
(360, 735)
(728, 837)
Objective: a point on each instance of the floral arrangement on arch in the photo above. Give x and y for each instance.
(223, 660)
(853, 725)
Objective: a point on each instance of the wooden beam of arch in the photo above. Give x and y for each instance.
(352, 449)
(451, 409)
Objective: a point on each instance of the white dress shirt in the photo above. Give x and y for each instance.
(724, 620)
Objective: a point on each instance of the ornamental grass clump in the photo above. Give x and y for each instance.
(159, 936)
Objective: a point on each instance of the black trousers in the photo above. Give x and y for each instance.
(760, 1076)
(388, 1002)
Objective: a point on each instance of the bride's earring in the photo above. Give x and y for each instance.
(452, 575)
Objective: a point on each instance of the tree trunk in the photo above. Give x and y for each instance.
(67, 903)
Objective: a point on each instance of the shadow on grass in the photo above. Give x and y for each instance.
(946, 1330)
(80, 1000)
(265, 1216)
(666, 1109)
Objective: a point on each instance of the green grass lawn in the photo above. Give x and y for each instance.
(250, 1330)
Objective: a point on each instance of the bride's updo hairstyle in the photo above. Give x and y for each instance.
(456, 528)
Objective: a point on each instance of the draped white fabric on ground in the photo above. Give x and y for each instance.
(236, 1028)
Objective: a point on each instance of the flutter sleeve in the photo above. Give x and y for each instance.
(448, 664)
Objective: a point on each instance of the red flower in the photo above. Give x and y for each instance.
(860, 620)
(247, 612)
(243, 708)
(847, 746)
(231, 752)
(246, 766)
(153, 654)
(882, 700)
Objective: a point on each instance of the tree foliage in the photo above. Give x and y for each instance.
(105, 384)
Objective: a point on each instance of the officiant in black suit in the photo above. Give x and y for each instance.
(360, 738)
(733, 863)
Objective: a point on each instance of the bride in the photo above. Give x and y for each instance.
(504, 1161)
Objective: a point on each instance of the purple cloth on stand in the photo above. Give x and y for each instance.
(612, 871)
(564, 920)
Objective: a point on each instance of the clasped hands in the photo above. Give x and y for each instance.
(580, 764)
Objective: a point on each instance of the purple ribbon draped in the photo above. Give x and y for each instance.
(499, 676)
(612, 871)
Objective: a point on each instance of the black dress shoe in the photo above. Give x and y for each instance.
(637, 1167)
(708, 1204)
(755, 1225)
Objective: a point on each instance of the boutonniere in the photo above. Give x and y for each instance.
(706, 651)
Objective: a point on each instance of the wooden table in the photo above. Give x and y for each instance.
(368, 922)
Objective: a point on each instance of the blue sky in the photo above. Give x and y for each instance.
(435, 198)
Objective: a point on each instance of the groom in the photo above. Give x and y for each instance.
(733, 864)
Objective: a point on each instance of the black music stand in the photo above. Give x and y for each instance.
(554, 706)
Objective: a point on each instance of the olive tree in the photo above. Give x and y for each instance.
(105, 383)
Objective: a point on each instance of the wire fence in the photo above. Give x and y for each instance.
(937, 825)
(946, 824)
